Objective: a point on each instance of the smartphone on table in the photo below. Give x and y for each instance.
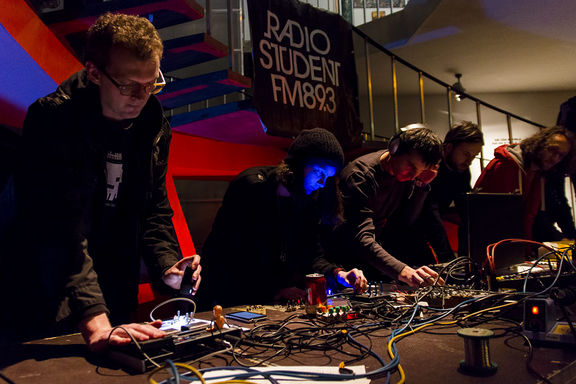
(246, 317)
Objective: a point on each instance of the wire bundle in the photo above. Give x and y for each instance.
(352, 341)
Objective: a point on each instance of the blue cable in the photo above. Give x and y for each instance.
(559, 271)
(174, 371)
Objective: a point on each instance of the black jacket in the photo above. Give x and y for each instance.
(59, 188)
(260, 243)
(375, 202)
(450, 186)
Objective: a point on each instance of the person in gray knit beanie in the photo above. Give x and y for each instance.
(312, 160)
(316, 144)
(268, 230)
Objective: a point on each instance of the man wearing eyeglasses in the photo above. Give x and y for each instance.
(92, 187)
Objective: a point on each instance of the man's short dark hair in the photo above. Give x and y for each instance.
(421, 140)
(464, 132)
(135, 34)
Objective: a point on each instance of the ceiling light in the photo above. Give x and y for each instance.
(458, 88)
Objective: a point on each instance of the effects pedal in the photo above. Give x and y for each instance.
(376, 290)
(448, 296)
(183, 342)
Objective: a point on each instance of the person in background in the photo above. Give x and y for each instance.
(266, 235)
(557, 222)
(91, 192)
(521, 168)
(426, 240)
(385, 184)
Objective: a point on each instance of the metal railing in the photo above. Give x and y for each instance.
(238, 40)
(450, 90)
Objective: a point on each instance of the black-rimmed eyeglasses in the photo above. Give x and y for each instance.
(135, 88)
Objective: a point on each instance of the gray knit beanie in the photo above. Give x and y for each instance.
(315, 144)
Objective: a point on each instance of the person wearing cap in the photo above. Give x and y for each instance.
(382, 190)
(265, 237)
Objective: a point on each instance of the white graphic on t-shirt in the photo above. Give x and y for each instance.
(113, 175)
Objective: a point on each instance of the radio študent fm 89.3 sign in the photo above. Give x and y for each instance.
(304, 70)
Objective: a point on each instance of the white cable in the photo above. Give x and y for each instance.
(170, 301)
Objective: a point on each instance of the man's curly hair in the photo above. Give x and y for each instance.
(135, 34)
(533, 145)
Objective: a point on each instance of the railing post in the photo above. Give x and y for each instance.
(509, 124)
(479, 122)
(208, 17)
(241, 37)
(369, 84)
(231, 60)
(421, 87)
(572, 192)
(449, 104)
(395, 93)
(348, 11)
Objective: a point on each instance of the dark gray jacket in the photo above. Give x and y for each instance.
(260, 243)
(372, 197)
(58, 189)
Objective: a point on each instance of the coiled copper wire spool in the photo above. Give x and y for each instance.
(476, 352)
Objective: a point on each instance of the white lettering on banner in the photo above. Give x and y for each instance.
(295, 50)
(303, 94)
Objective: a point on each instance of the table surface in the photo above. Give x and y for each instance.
(426, 357)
